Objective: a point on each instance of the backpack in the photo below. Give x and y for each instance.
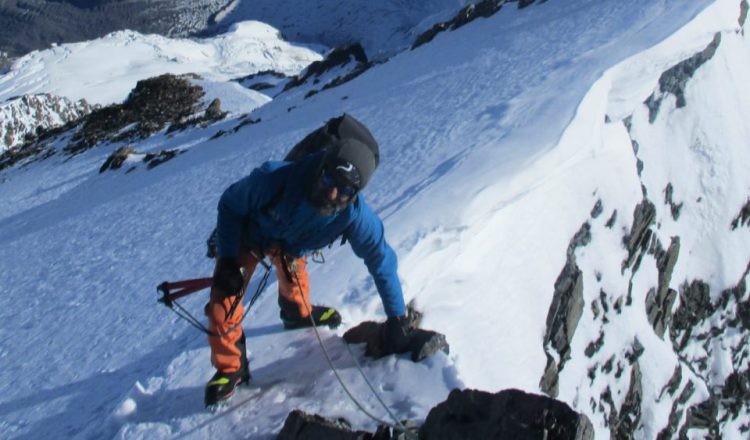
(327, 137)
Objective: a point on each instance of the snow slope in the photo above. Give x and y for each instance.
(497, 140)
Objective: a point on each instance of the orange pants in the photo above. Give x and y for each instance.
(294, 299)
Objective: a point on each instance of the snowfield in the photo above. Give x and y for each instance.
(498, 141)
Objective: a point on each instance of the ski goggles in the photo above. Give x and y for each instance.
(329, 181)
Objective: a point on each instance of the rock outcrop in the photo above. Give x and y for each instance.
(341, 65)
(152, 105)
(467, 415)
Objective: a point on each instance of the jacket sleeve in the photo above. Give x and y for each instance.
(367, 238)
(239, 203)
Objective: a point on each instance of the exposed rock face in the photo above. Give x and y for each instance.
(743, 218)
(564, 312)
(24, 118)
(465, 415)
(624, 423)
(659, 301)
(636, 242)
(302, 426)
(166, 101)
(706, 332)
(153, 104)
(484, 8)
(116, 160)
(339, 66)
(508, 414)
(674, 80)
(422, 343)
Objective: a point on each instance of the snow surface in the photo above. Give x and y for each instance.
(494, 150)
(103, 71)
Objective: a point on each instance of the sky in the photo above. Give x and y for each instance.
(494, 150)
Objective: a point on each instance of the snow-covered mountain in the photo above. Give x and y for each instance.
(563, 184)
(74, 70)
(25, 116)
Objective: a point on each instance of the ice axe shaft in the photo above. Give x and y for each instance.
(175, 290)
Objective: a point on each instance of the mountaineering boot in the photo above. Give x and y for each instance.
(221, 386)
(322, 315)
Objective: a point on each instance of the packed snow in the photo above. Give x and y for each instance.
(495, 148)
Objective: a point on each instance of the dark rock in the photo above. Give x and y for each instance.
(674, 382)
(635, 352)
(611, 221)
(263, 80)
(580, 239)
(214, 111)
(566, 308)
(596, 211)
(743, 313)
(637, 240)
(155, 159)
(422, 344)
(743, 13)
(675, 79)
(338, 58)
(624, 423)
(523, 3)
(743, 218)
(565, 311)
(469, 13)
(549, 383)
(34, 150)
(703, 416)
(508, 414)
(736, 392)
(659, 301)
(245, 121)
(695, 306)
(116, 159)
(675, 415)
(594, 346)
(302, 426)
(674, 208)
(152, 105)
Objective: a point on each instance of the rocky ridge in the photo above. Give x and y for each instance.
(166, 103)
(704, 326)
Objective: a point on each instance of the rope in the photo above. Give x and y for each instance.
(398, 426)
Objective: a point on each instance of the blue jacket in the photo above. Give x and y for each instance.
(270, 207)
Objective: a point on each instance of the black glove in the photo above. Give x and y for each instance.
(395, 335)
(228, 277)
